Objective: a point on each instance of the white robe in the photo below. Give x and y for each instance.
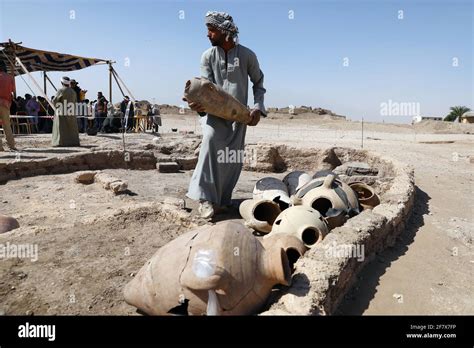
(214, 180)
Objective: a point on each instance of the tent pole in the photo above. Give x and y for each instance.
(117, 82)
(110, 82)
(44, 83)
(52, 84)
(19, 62)
(124, 85)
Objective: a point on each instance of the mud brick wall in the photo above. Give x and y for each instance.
(94, 160)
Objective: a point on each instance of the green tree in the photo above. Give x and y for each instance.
(456, 111)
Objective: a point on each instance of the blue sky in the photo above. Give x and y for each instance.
(407, 60)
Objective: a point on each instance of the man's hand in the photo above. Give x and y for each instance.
(255, 114)
(195, 106)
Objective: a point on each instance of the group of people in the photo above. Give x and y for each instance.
(67, 124)
(89, 114)
(74, 113)
(37, 107)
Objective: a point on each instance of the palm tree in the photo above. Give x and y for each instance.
(456, 113)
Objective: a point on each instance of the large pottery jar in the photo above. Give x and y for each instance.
(295, 180)
(215, 100)
(221, 269)
(366, 195)
(272, 189)
(259, 214)
(333, 198)
(302, 222)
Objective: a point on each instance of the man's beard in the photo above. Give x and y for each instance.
(217, 42)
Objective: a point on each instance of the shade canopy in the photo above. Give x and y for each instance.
(39, 60)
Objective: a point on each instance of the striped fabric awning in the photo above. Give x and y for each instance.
(38, 60)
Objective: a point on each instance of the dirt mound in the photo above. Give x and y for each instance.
(441, 127)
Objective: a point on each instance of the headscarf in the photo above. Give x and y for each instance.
(65, 81)
(224, 22)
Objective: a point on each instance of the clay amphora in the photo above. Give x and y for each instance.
(334, 199)
(366, 195)
(302, 222)
(259, 214)
(225, 260)
(272, 189)
(295, 180)
(215, 100)
(293, 246)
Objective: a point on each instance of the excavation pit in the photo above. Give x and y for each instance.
(90, 242)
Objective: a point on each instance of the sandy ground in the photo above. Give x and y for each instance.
(89, 243)
(428, 271)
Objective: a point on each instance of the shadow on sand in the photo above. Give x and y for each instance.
(363, 291)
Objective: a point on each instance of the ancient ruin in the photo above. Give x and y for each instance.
(323, 279)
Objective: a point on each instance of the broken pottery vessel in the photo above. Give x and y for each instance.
(303, 222)
(259, 214)
(7, 223)
(272, 189)
(366, 195)
(295, 180)
(215, 100)
(223, 264)
(333, 198)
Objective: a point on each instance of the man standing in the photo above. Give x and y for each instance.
(65, 131)
(126, 107)
(32, 109)
(77, 89)
(100, 110)
(7, 88)
(229, 65)
(81, 120)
